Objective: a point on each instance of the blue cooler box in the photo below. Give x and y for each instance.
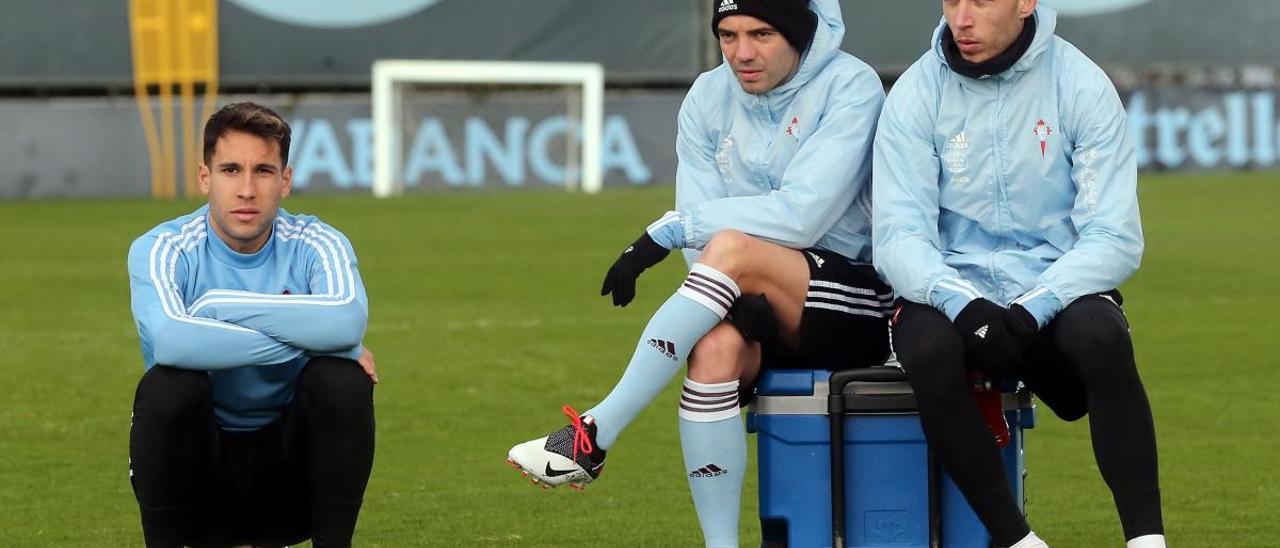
(886, 465)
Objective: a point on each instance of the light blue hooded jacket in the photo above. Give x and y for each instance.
(791, 166)
(1020, 187)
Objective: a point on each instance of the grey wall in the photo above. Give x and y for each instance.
(72, 147)
(56, 44)
(649, 40)
(892, 35)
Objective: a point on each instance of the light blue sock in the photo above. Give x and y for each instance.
(701, 302)
(715, 455)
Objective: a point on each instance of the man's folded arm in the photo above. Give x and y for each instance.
(174, 336)
(330, 318)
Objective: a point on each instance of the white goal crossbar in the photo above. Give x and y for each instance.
(386, 103)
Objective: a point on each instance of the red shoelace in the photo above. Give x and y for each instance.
(581, 441)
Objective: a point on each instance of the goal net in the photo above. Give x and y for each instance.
(439, 124)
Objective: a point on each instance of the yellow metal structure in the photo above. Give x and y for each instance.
(175, 54)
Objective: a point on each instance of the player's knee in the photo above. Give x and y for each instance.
(168, 392)
(336, 383)
(725, 249)
(1096, 339)
(1092, 320)
(716, 357)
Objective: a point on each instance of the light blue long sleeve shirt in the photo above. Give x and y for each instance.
(251, 320)
(791, 166)
(1019, 188)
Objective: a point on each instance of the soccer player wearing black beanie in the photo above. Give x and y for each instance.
(772, 195)
(792, 18)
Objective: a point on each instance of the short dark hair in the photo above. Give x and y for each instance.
(250, 118)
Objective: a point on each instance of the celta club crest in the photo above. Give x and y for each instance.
(1043, 131)
(793, 129)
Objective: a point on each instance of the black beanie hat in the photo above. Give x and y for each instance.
(792, 18)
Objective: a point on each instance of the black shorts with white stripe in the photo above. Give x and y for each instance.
(845, 323)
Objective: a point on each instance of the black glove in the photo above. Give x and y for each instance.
(994, 337)
(754, 317)
(1027, 326)
(621, 278)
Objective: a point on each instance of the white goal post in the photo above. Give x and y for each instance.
(388, 74)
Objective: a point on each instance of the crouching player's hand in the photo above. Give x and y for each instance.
(650, 249)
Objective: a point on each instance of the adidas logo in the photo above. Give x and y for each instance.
(708, 471)
(666, 347)
(727, 5)
(816, 259)
(956, 159)
(981, 332)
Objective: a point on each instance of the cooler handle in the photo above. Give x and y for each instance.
(835, 415)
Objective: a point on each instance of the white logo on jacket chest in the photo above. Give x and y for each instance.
(956, 157)
(724, 155)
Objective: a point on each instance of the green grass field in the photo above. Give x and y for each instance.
(485, 319)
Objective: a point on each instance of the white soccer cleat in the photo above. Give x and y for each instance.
(568, 455)
(1031, 541)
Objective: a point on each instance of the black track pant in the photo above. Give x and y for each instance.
(301, 477)
(1081, 363)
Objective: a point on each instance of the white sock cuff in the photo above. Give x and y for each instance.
(1146, 541)
(709, 402)
(710, 288)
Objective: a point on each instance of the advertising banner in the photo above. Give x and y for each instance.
(95, 146)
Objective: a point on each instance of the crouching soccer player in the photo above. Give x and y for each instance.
(1006, 215)
(253, 423)
(772, 186)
